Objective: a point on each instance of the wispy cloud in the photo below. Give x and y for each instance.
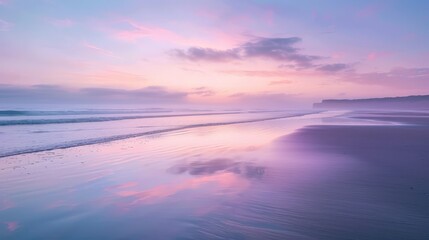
(280, 73)
(98, 50)
(138, 31)
(408, 78)
(133, 31)
(202, 91)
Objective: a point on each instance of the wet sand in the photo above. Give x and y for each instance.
(325, 177)
(386, 194)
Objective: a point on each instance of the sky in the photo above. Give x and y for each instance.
(219, 52)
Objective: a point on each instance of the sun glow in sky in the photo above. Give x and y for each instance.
(267, 53)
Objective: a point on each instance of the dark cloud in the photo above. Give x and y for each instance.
(277, 49)
(207, 54)
(332, 68)
(408, 78)
(58, 94)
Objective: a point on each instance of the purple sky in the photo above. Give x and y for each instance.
(259, 53)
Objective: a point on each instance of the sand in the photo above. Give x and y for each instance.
(329, 176)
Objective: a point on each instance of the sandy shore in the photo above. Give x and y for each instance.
(385, 195)
(314, 177)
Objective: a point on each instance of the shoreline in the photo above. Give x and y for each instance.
(306, 177)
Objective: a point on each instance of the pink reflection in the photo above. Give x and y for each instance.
(223, 181)
(12, 226)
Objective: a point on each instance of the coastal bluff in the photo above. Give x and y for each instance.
(408, 102)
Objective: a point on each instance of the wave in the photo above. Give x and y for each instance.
(99, 119)
(92, 141)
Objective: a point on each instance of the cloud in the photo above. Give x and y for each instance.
(98, 50)
(58, 94)
(280, 49)
(276, 49)
(136, 31)
(110, 75)
(203, 92)
(207, 54)
(132, 31)
(255, 73)
(154, 93)
(332, 68)
(269, 74)
(410, 78)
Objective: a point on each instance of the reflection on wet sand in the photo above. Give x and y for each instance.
(321, 182)
(245, 169)
(216, 182)
(12, 226)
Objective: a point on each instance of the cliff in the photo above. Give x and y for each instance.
(408, 102)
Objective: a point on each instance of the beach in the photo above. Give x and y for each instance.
(246, 175)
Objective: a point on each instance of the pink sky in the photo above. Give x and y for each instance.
(215, 52)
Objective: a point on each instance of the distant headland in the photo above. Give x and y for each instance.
(406, 102)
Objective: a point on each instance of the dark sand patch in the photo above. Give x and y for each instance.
(385, 195)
